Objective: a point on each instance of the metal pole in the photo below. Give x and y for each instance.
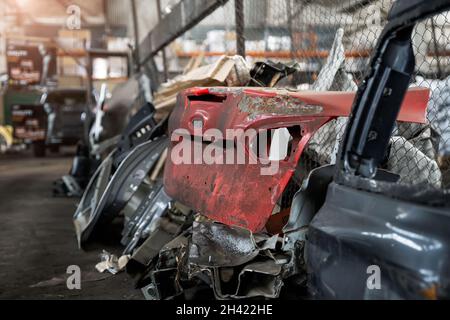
(436, 49)
(137, 58)
(164, 57)
(290, 27)
(106, 12)
(240, 27)
(89, 101)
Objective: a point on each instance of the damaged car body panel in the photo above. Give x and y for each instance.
(157, 222)
(130, 174)
(238, 262)
(369, 224)
(139, 128)
(409, 243)
(123, 184)
(142, 222)
(91, 197)
(229, 262)
(121, 173)
(211, 189)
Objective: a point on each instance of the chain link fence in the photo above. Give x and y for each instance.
(332, 41)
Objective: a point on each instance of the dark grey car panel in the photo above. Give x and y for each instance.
(354, 230)
(106, 202)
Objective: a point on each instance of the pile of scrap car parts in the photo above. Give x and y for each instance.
(228, 247)
(110, 119)
(329, 236)
(175, 256)
(211, 189)
(112, 115)
(122, 172)
(230, 261)
(395, 229)
(129, 180)
(413, 155)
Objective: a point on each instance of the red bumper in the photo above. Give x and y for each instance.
(238, 194)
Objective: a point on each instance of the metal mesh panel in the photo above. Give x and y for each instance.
(208, 40)
(332, 42)
(431, 43)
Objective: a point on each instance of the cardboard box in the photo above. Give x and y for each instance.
(228, 70)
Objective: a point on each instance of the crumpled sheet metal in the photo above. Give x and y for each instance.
(412, 165)
(211, 189)
(216, 245)
(165, 277)
(439, 110)
(164, 233)
(266, 276)
(153, 230)
(332, 76)
(324, 144)
(219, 250)
(144, 220)
(233, 262)
(261, 279)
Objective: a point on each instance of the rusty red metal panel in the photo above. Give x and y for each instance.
(238, 194)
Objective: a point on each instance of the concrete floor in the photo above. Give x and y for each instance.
(37, 240)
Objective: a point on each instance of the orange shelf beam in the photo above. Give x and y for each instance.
(279, 54)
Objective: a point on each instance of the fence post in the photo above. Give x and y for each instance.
(436, 49)
(290, 27)
(240, 27)
(137, 62)
(164, 58)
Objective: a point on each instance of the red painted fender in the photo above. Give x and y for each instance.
(237, 194)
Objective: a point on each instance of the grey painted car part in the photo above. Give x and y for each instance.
(368, 224)
(146, 219)
(130, 174)
(153, 228)
(354, 230)
(215, 244)
(134, 147)
(84, 215)
(120, 188)
(376, 108)
(232, 262)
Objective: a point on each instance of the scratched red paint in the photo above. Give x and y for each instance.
(238, 195)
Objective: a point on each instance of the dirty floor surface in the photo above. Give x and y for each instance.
(37, 240)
